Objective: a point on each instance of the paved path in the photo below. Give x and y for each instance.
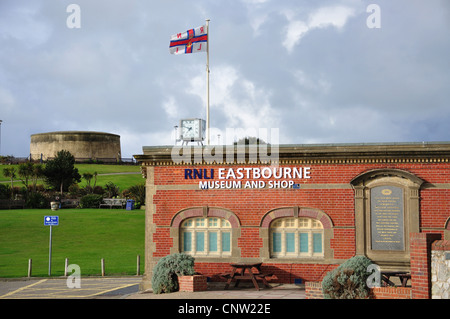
(128, 288)
(218, 292)
(56, 288)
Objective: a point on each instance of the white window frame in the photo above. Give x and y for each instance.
(206, 225)
(299, 225)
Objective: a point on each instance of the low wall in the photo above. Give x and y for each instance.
(440, 269)
(313, 290)
(390, 293)
(192, 283)
(430, 272)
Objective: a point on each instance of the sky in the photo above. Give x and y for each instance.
(293, 72)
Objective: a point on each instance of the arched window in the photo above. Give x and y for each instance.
(206, 236)
(296, 237)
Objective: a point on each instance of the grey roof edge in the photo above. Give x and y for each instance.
(318, 150)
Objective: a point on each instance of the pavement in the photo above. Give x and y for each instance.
(217, 291)
(128, 288)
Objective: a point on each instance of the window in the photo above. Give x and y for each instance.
(296, 237)
(209, 236)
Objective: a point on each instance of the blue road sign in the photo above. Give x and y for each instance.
(51, 220)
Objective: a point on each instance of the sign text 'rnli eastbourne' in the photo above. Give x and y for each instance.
(255, 177)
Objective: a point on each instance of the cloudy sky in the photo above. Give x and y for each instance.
(318, 71)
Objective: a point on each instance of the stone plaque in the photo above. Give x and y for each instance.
(386, 217)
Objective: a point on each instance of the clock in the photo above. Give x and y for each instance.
(192, 130)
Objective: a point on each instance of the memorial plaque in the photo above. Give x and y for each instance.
(386, 214)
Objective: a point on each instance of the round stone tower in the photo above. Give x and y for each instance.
(82, 145)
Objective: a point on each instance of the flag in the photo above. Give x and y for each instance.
(191, 41)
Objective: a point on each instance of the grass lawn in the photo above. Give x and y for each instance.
(85, 236)
(119, 175)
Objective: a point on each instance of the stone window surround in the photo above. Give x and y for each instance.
(296, 212)
(264, 227)
(362, 184)
(205, 211)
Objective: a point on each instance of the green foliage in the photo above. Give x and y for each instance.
(60, 172)
(91, 201)
(167, 269)
(11, 173)
(5, 191)
(136, 192)
(25, 172)
(348, 281)
(37, 200)
(112, 190)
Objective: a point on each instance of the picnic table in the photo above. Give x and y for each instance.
(246, 271)
(402, 275)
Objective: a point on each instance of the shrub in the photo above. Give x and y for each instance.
(91, 201)
(37, 200)
(98, 190)
(5, 191)
(136, 192)
(74, 190)
(112, 190)
(348, 281)
(167, 270)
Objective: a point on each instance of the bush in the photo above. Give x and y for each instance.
(91, 201)
(5, 191)
(136, 192)
(74, 190)
(112, 190)
(167, 270)
(37, 200)
(348, 281)
(98, 190)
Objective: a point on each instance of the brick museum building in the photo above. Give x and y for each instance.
(301, 210)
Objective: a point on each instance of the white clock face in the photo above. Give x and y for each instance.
(190, 128)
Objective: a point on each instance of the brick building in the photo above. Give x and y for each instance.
(302, 210)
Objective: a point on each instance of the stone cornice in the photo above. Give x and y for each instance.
(427, 152)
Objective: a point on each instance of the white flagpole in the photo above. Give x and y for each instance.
(207, 83)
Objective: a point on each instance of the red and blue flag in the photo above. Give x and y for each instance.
(192, 41)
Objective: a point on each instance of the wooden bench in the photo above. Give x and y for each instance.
(70, 203)
(113, 203)
(12, 203)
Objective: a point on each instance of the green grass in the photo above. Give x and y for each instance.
(106, 169)
(119, 177)
(85, 236)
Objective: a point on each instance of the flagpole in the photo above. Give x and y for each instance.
(207, 83)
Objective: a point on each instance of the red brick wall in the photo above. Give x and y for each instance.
(313, 290)
(192, 283)
(283, 273)
(250, 206)
(390, 293)
(421, 245)
(420, 251)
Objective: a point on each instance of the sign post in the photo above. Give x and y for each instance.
(50, 221)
